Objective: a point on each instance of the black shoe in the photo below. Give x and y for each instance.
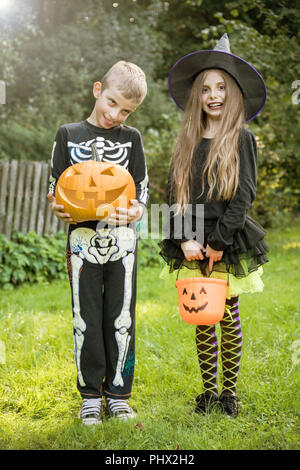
(229, 405)
(206, 402)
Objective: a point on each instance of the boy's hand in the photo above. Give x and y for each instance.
(58, 210)
(126, 216)
(192, 250)
(213, 256)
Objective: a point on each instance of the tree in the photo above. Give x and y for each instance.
(52, 52)
(56, 58)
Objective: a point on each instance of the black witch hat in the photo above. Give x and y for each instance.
(186, 69)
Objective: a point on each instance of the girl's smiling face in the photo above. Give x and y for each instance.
(213, 94)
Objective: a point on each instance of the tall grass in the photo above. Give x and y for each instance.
(39, 401)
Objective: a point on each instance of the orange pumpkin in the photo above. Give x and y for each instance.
(92, 190)
(201, 300)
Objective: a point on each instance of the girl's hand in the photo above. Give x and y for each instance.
(58, 210)
(192, 250)
(126, 216)
(213, 256)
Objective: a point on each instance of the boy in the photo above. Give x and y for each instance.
(101, 256)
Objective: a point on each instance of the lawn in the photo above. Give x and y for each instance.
(39, 400)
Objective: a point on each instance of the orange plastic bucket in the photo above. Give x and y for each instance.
(201, 300)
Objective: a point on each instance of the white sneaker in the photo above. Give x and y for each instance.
(119, 408)
(91, 411)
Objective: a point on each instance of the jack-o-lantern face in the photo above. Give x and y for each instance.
(92, 190)
(201, 300)
(194, 301)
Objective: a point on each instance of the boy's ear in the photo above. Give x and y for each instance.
(97, 89)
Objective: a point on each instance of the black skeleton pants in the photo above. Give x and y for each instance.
(103, 300)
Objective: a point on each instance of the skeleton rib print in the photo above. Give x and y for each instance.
(107, 151)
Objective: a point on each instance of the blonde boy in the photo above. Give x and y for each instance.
(101, 257)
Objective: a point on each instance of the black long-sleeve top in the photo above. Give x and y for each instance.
(222, 220)
(122, 145)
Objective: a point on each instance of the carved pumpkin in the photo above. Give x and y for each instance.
(201, 300)
(92, 190)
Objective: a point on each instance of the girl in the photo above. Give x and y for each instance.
(214, 163)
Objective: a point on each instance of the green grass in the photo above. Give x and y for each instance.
(39, 401)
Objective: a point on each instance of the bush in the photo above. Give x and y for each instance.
(31, 258)
(148, 254)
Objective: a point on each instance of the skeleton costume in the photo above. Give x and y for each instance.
(102, 264)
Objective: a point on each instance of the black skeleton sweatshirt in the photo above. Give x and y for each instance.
(122, 145)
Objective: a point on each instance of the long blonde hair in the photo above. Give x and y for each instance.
(222, 164)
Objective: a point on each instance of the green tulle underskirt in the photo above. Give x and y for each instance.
(250, 283)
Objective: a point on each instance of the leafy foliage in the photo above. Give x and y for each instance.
(33, 258)
(148, 255)
(52, 53)
(30, 258)
(269, 38)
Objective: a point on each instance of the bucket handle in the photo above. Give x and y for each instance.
(181, 264)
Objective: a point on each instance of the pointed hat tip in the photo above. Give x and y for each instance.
(223, 44)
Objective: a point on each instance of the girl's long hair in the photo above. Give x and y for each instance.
(222, 164)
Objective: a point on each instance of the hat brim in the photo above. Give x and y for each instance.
(186, 69)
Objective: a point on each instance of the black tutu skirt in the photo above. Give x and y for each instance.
(246, 254)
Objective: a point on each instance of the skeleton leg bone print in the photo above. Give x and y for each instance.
(123, 322)
(107, 244)
(79, 324)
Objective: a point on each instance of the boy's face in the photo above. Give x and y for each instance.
(111, 108)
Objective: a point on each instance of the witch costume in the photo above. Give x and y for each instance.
(227, 225)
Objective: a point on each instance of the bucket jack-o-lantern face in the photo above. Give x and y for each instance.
(201, 300)
(194, 301)
(92, 190)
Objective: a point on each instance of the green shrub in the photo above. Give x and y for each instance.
(31, 258)
(148, 254)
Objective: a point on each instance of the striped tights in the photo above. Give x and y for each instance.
(231, 350)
